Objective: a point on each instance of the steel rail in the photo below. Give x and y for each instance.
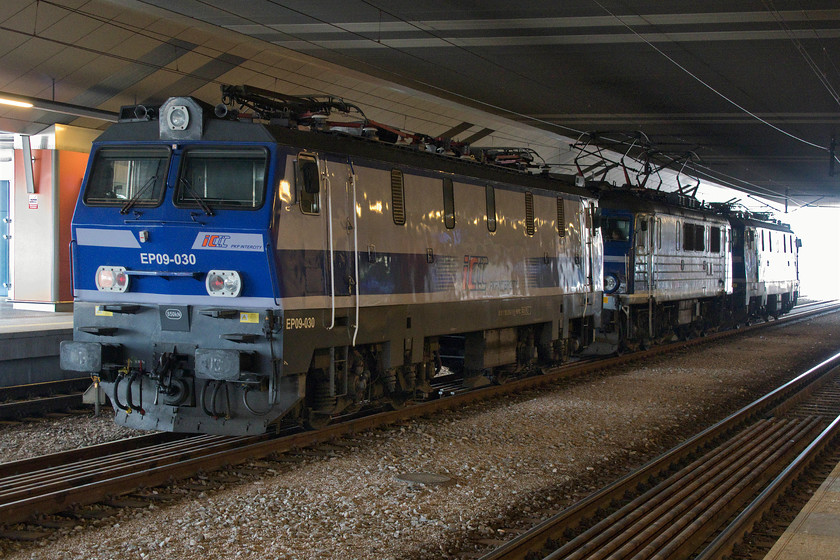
(43, 388)
(723, 544)
(20, 401)
(95, 483)
(532, 541)
(92, 451)
(39, 406)
(59, 475)
(666, 497)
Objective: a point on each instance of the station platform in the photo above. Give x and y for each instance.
(19, 320)
(29, 345)
(815, 533)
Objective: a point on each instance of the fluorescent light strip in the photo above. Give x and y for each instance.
(14, 103)
(48, 105)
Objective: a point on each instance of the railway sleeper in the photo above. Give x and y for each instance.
(24, 535)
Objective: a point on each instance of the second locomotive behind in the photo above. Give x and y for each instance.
(674, 267)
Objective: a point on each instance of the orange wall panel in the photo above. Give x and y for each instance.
(71, 172)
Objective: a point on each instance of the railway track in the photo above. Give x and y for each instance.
(38, 399)
(52, 484)
(810, 308)
(698, 500)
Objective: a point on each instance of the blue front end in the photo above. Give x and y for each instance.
(173, 274)
(617, 227)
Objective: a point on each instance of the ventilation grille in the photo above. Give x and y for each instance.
(398, 197)
(529, 214)
(561, 218)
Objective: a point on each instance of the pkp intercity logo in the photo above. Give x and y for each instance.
(228, 241)
(474, 267)
(215, 241)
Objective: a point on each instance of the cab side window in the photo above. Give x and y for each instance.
(694, 237)
(308, 183)
(714, 240)
(448, 203)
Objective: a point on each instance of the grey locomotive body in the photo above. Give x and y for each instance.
(229, 274)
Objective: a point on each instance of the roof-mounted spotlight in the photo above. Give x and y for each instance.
(182, 118)
(177, 117)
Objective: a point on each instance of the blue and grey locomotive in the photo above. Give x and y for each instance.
(674, 267)
(233, 269)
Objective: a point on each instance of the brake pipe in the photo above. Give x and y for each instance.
(139, 408)
(117, 402)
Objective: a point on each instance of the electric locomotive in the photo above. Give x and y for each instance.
(675, 267)
(766, 266)
(238, 266)
(667, 266)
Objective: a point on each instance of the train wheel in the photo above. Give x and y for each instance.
(314, 420)
(397, 402)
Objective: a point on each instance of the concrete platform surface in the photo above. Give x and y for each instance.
(815, 533)
(21, 320)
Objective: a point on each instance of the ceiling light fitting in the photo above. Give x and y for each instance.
(13, 103)
(26, 102)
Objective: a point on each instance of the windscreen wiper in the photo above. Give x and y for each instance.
(133, 200)
(201, 202)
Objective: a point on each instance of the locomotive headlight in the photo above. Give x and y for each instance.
(111, 279)
(177, 117)
(223, 283)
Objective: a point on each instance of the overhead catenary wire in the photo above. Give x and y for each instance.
(709, 86)
(809, 60)
(726, 180)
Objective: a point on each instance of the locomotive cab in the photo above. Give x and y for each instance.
(172, 274)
